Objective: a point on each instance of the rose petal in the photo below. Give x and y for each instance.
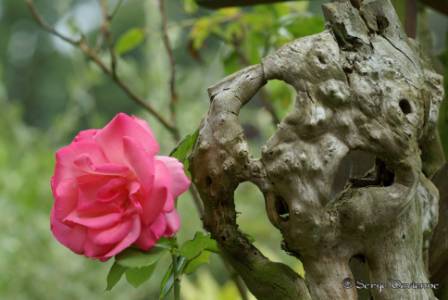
(152, 233)
(73, 237)
(66, 198)
(143, 124)
(140, 162)
(173, 223)
(88, 186)
(159, 226)
(160, 194)
(66, 156)
(110, 235)
(91, 249)
(85, 163)
(110, 138)
(85, 135)
(114, 190)
(180, 181)
(132, 236)
(101, 221)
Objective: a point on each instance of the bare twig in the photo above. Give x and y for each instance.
(105, 31)
(117, 7)
(90, 53)
(44, 25)
(172, 89)
(172, 62)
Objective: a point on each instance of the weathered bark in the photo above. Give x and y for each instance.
(361, 86)
(438, 256)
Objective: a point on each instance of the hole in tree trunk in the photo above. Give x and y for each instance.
(382, 23)
(208, 181)
(360, 169)
(250, 205)
(405, 106)
(355, 164)
(282, 209)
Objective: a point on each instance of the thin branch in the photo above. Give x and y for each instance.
(105, 31)
(82, 45)
(117, 7)
(172, 62)
(173, 94)
(44, 25)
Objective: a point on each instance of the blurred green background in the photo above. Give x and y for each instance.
(49, 91)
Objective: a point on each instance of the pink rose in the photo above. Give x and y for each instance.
(111, 190)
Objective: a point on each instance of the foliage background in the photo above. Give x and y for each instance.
(49, 91)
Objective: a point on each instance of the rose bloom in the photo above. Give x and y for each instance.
(112, 191)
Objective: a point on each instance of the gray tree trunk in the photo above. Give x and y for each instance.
(362, 86)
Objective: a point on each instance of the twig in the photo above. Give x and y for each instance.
(172, 62)
(172, 87)
(82, 45)
(44, 25)
(105, 31)
(117, 7)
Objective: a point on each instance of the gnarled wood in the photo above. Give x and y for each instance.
(361, 86)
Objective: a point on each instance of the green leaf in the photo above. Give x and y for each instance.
(193, 248)
(165, 243)
(114, 275)
(168, 278)
(185, 146)
(130, 40)
(134, 258)
(200, 31)
(136, 276)
(231, 62)
(196, 262)
(190, 6)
